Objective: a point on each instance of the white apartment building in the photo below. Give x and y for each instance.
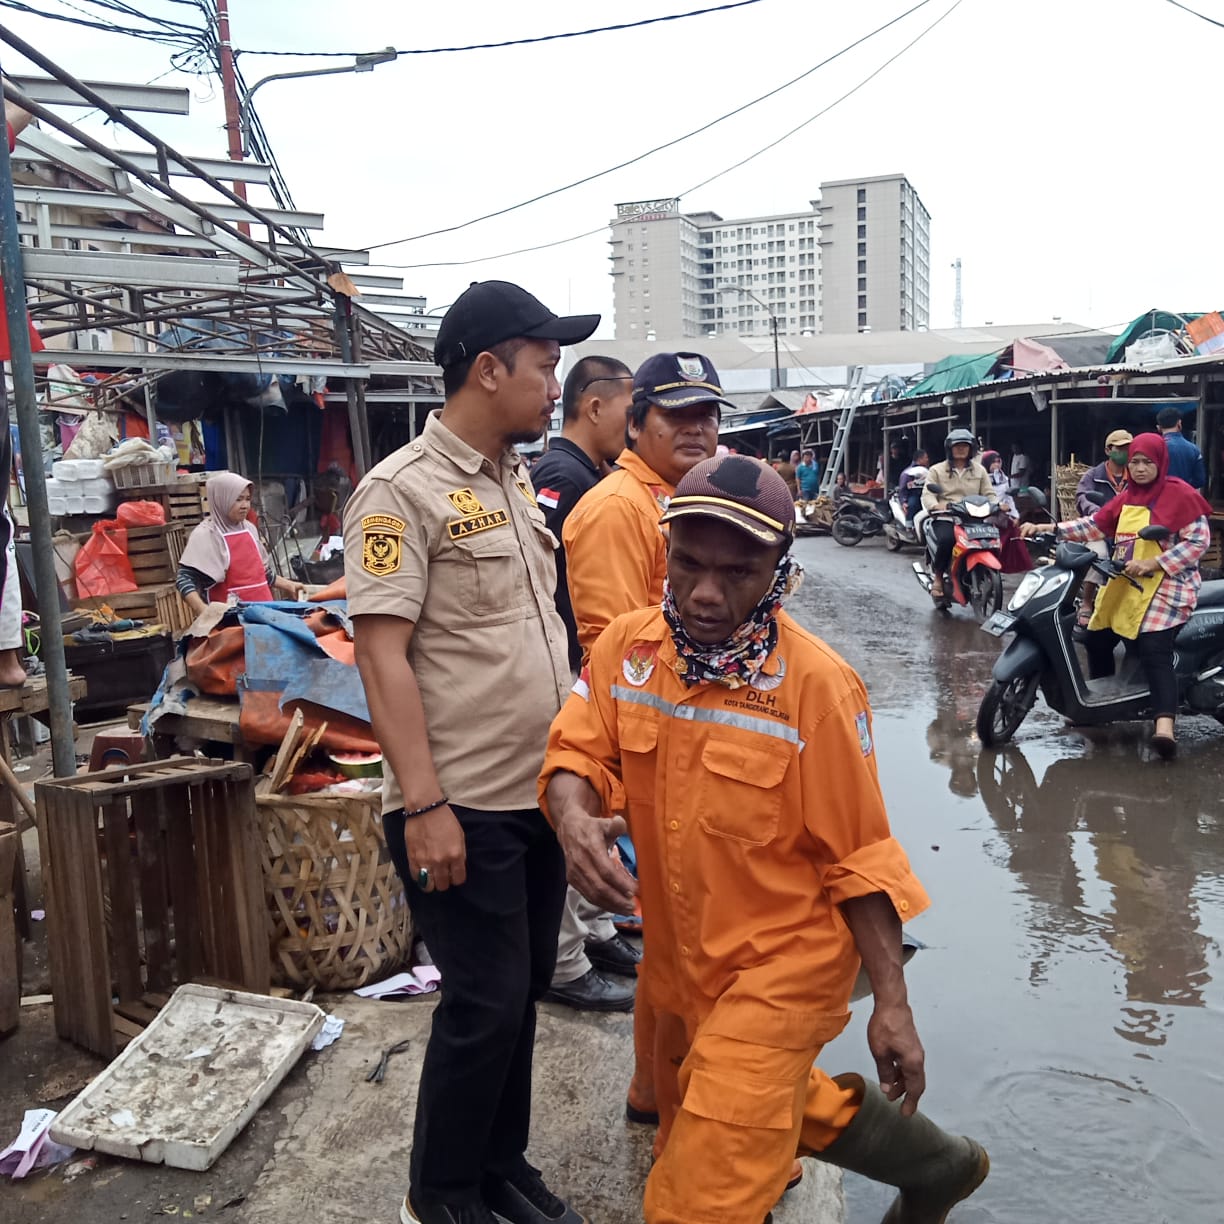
(695, 274)
(875, 255)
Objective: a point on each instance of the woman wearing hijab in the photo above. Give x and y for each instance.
(1167, 573)
(224, 554)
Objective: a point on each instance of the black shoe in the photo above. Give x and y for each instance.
(445, 1213)
(523, 1198)
(1165, 746)
(592, 992)
(615, 955)
(642, 1117)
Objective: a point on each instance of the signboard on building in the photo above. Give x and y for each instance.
(648, 210)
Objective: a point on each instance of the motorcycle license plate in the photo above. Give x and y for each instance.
(999, 624)
(981, 531)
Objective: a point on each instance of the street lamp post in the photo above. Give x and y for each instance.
(363, 63)
(773, 327)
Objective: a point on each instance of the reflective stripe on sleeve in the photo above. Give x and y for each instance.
(725, 718)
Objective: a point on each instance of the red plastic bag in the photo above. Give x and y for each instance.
(102, 566)
(141, 514)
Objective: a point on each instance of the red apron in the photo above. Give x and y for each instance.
(246, 578)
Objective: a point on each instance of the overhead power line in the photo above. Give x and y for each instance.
(1196, 13)
(456, 263)
(705, 127)
(522, 42)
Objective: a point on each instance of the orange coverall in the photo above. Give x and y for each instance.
(615, 553)
(755, 813)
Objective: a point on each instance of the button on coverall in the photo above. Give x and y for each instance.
(755, 812)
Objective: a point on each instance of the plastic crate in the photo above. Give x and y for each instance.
(139, 475)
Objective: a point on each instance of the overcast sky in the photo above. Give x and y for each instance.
(1064, 148)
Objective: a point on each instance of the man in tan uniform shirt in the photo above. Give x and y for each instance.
(464, 659)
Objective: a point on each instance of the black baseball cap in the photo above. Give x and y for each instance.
(488, 312)
(675, 380)
(746, 493)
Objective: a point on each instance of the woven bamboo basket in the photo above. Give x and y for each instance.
(339, 915)
(1066, 477)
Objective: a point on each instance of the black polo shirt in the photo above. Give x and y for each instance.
(563, 474)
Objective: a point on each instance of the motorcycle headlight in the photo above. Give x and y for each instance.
(1025, 591)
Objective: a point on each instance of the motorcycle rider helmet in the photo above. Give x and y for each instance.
(958, 436)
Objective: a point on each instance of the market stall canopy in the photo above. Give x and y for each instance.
(955, 372)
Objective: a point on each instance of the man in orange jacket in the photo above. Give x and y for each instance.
(740, 748)
(615, 555)
(616, 559)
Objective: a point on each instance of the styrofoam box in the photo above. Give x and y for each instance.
(78, 469)
(193, 1079)
(98, 505)
(75, 504)
(57, 506)
(95, 486)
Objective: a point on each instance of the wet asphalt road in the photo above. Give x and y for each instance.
(1071, 999)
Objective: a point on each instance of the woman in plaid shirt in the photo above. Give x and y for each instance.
(1167, 573)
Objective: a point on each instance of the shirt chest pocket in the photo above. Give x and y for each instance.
(741, 789)
(489, 573)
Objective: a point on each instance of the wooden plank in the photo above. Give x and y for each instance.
(210, 719)
(82, 983)
(124, 1030)
(252, 925)
(205, 868)
(125, 931)
(136, 1010)
(154, 904)
(184, 898)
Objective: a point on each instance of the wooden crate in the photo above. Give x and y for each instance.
(184, 501)
(155, 605)
(155, 551)
(151, 875)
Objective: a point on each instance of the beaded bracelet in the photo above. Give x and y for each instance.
(429, 807)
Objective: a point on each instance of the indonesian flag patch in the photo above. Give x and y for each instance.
(548, 497)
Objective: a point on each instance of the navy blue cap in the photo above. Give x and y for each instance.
(675, 380)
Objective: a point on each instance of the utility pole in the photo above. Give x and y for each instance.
(773, 320)
(229, 91)
(46, 585)
(956, 301)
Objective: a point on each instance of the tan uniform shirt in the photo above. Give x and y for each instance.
(439, 535)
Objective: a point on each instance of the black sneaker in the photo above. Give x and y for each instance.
(523, 1198)
(593, 992)
(615, 955)
(445, 1213)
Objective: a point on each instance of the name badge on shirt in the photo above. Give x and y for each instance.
(460, 529)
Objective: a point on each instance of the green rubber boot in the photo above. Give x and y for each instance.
(933, 1170)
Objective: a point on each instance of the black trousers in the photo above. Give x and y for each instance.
(494, 939)
(1155, 651)
(945, 540)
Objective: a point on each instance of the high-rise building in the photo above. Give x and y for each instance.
(875, 256)
(681, 275)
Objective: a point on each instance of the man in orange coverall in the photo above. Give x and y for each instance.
(616, 558)
(739, 746)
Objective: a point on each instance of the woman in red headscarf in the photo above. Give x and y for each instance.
(1167, 573)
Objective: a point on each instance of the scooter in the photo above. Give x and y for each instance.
(899, 531)
(856, 517)
(975, 573)
(1042, 657)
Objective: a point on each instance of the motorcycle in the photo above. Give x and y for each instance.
(857, 517)
(1042, 657)
(975, 573)
(899, 531)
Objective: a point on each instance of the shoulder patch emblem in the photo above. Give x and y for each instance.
(864, 732)
(582, 686)
(465, 501)
(380, 544)
(639, 663)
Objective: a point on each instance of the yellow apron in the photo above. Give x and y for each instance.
(1119, 606)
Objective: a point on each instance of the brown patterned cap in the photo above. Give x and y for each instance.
(744, 492)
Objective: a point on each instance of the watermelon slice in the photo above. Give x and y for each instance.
(357, 764)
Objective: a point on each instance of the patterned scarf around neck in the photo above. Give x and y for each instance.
(736, 662)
